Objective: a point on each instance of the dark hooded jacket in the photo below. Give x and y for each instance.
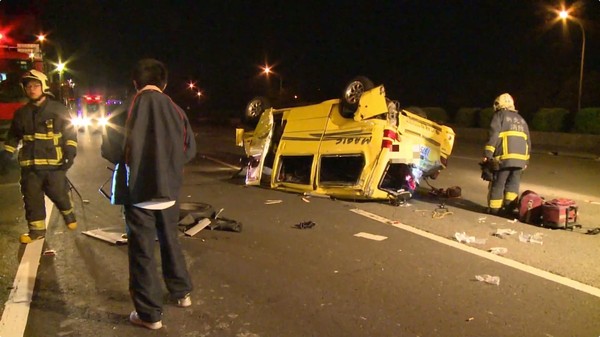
(158, 142)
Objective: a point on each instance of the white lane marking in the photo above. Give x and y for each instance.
(221, 162)
(16, 309)
(487, 255)
(370, 236)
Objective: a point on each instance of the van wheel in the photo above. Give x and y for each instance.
(351, 95)
(255, 108)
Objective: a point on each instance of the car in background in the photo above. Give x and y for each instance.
(361, 146)
(91, 113)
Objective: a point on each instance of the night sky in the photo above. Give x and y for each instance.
(427, 53)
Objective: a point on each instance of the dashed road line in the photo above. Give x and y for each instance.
(487, 255)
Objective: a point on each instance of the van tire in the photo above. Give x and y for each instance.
(351, 95)
(255, 108)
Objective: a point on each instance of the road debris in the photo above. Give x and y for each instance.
(305, 199)
(512, 221)
(495, 280)
(593, 202)
(200, 225)
(498, 250)
(272, 202)
(593, 231)
(470, 319)
(482, 219)
(463, 237)
(502, 232)
(370, 236)
(116, 238)
(532, 238)
(305, 225)
(49, 252)
(441, 211)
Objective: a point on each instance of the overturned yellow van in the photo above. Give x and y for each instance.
(362, 146)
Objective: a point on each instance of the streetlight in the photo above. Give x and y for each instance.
(564, 15)
(60, 67)
(267, 70)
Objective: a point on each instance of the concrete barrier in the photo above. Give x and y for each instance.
(555, 142)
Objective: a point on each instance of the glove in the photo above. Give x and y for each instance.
(68, 161)
(487, 173)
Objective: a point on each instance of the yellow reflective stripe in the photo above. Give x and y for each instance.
(37, 225)
(490, 148)
(42, 136)
(504, 134)
(515, 156)
(510, 196)
(40, 162)
(71, 143)
(9, 148)
(495, 203)
(67, 212)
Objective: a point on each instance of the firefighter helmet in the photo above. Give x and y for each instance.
(39, 76)
(504, 101)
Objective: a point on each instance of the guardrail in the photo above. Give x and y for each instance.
(556, 142)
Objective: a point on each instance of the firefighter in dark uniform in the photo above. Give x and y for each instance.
(49, 146)
(507, 150)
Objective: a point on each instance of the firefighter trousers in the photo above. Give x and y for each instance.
(145, 286)
(52, 183)
(504, 189)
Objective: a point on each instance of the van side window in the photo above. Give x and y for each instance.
(295, 169)
(341, 169)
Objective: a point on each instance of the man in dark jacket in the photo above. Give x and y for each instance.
(509, 145)
(49, 146)
(158, 142)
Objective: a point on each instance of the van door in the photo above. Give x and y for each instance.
(258, 147)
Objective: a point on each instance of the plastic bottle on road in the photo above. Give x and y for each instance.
(498, 250)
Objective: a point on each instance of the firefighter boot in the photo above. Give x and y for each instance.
(32, 236)
(70, 220)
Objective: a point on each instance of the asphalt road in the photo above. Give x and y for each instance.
(273, 279)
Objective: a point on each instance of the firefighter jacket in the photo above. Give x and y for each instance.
(509, 140)
(159, 141)
(46, 133)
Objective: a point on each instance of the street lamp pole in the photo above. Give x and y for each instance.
(564, 14)
(581, 66)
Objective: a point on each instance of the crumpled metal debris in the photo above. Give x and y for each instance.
(305, 225)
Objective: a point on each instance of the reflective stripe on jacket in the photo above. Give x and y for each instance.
(46, 134)
(509, 139)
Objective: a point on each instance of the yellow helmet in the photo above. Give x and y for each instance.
(39, 76)
(504, 101)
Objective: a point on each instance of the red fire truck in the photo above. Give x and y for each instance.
(14, 60)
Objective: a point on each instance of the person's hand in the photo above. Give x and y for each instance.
(68, 161)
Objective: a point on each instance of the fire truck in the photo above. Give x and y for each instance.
(15, 59)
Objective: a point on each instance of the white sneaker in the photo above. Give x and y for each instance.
(185, 301)
(136, 320)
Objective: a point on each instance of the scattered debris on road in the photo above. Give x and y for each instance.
(532, 238)
(370, 236)
(495, 280)
(305, 225)
(463, 237)
(272, 202)
(502, 232)
(116, 238)
(498, 250)
(49, 252)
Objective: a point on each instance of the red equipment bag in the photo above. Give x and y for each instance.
(530, 208)
(559, 214)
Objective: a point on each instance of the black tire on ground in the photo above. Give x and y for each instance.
(255, 108)
(351, 95)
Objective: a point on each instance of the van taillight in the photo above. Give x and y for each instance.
(388, 139)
